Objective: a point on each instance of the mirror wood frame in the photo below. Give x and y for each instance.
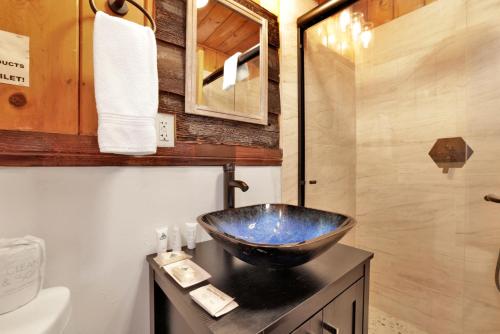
(191, 106)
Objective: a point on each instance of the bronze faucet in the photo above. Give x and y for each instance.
(229, 184)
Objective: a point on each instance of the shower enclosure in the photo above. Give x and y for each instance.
(374, 100)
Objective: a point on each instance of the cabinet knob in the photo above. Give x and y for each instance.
(313, 182)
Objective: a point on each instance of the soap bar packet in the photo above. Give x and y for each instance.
(170, 257)
(186, 273)
(212, 300)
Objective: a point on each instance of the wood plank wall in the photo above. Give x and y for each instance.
(383, 11)
(50, 104)
(58, 126)
(195, 129)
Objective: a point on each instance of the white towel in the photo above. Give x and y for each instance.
(126, 85)
(22, 271)
(233, 72)
(242, 73)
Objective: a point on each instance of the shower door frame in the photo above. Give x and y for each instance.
(304, 22)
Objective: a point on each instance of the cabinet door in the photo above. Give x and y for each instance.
(344, 315)
(50, 103)
(311, 326)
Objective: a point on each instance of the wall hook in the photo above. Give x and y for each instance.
(450, 153)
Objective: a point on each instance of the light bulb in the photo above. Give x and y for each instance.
(324, 41)
(331, 39)
(367, 34)
(356, 30)
(201, 3)
(356, 25)
(344, 20)
(342, 46)
(366, 37)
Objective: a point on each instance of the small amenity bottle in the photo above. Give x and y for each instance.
(191, 235)
(176, 241)
(161, 240)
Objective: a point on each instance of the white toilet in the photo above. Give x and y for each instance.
(48, 313)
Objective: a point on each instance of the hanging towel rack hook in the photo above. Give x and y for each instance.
(120, 7)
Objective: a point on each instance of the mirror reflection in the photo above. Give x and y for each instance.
(228, 78)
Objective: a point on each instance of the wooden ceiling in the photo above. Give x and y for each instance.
(383, 11)
(225, 30)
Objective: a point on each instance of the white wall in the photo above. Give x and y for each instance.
(99, 223)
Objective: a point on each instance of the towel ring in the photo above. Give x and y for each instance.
(120, 7)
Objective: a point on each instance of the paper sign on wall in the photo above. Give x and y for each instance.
(14, 59)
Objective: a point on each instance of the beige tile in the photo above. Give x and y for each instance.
(289, 101)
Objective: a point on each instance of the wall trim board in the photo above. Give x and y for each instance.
(20, 148)
(223, 142)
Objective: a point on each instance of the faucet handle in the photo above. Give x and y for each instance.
(229, 167)
(492, 198)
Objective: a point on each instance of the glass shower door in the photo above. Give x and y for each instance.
(371, 117)
(330, 132)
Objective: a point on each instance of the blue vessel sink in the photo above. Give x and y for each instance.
(276, 235)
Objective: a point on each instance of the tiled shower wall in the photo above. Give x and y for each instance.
(430, 74)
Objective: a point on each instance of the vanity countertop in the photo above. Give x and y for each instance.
(270, 300)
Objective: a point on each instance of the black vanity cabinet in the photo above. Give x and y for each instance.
(343, 315)
(327, 295)
(311, 326)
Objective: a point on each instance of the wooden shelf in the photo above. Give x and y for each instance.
(20, 148)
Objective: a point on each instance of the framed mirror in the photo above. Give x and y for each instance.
(226, 61)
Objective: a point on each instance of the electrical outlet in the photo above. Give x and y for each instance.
(165, 134)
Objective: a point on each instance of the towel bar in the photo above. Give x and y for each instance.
(245, 57)
(120, 7)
